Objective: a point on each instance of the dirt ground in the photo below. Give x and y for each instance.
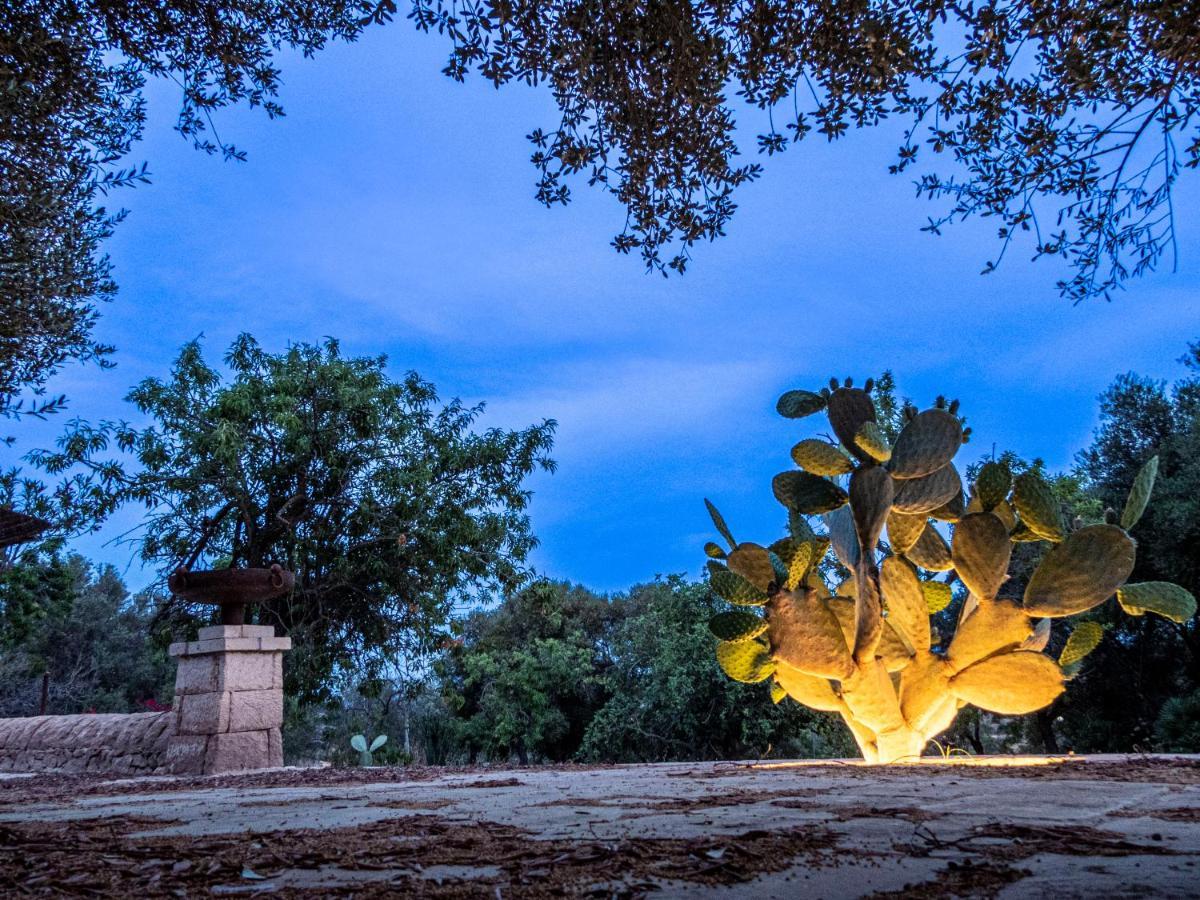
(1077, 827)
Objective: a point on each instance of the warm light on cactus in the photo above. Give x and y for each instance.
(865, 649)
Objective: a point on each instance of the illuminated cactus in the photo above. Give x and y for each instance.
(865, 649)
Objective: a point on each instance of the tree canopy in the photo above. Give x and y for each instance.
(1064, 120)
(72, 108)
(384, 505)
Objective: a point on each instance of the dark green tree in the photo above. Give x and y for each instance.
(72, 74)
(62, 617)
(1065, 122)
(526, 678)
(669, 699)
(385, 506)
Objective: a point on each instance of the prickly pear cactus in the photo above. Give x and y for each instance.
(865, 648)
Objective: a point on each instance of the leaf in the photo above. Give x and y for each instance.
(870, 439)
(1081, 572)
(938, 595)
(798, 404)
(1139, 494)
(1011, 684)
(745, 661)
(734, 588)
(992, 485)
(777, 692)
(1161, 597)
(926, 444)
(359, 743)
(920, 496)
(821, 458)
(1084, 638)
(379, 741)
(736, 626)
(807, 494)
(1037, 506)
(753, 563)
(981, 552)
(719, 521)
(713, 551)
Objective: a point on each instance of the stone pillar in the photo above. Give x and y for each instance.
(228, 701)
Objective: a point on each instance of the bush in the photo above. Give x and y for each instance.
(1178, 726)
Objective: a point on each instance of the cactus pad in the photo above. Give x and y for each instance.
(805, 634)
(849, 409)
(992, 485)
(931, 551)
(1011, 683)
(1037, 506)
(1081, 572)
(904, 531)
(926, 444)
(871, 440)
(871, 495)
(981, 551)
(736, 626)
(1139, 494)
(719, 522)
(1084, 638)
(733, 587)
(753, 563)
(908, 612)
(745, 661)
(821, 458)
(1167, 600)
(798, 404)
(713, 551)
(807, 494)
(920, 496)
(937, 596)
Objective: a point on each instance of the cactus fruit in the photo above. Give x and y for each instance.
(867, 650)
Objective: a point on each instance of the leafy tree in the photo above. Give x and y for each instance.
(1064, 120)
(669, 699)
(78, 624)
(385, 506)
(72, 108)
(526, 678)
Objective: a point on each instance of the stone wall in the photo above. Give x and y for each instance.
(103, 743)
(226, 717)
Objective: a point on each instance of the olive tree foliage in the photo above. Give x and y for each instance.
(384, 505)
(72, 74)
(1061, 119)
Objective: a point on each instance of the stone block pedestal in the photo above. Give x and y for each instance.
(228, 701)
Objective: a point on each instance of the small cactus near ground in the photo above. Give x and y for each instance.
(359, 743)
(865, 649)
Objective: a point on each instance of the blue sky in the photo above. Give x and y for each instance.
(393, 209)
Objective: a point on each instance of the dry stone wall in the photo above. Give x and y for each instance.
(101, 743)
(226, 717)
